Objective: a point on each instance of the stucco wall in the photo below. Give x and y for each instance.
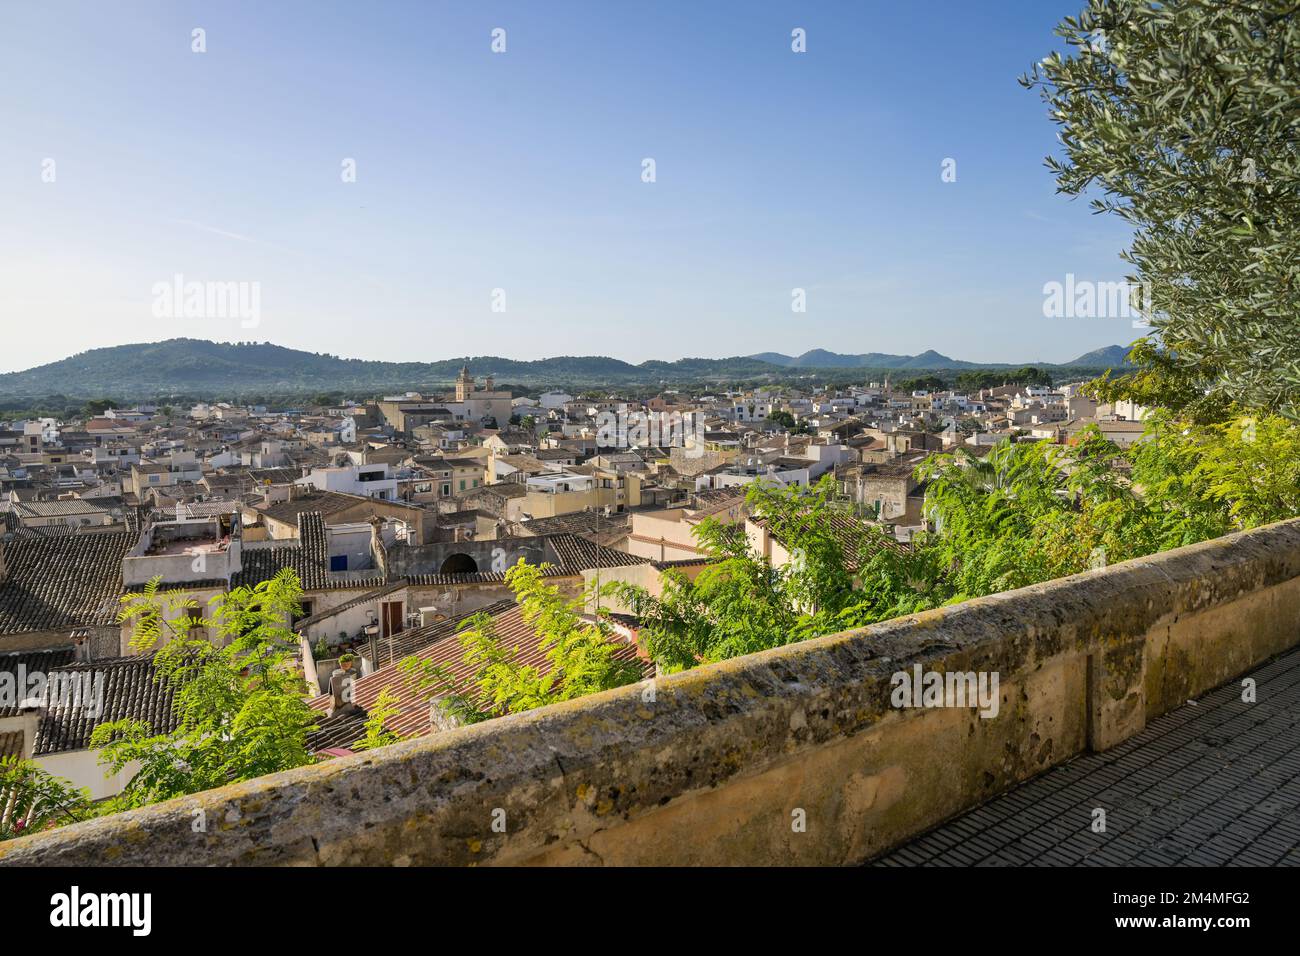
(794, 755)
(491, 555)
(83, 769)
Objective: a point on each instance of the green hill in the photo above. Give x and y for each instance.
(195, 367)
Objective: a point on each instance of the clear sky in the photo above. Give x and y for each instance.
(522, 171)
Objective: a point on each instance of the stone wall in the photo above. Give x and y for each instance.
(491, 555)
(791, 756)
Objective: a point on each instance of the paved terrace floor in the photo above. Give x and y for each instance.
(1215, 782)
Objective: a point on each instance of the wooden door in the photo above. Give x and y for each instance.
(392, 618)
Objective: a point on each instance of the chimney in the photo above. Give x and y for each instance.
(82, 651)
(378, 553)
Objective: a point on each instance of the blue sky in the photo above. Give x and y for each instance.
(522, 171)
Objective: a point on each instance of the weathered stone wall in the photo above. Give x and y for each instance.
(488, 555)
(723, 763)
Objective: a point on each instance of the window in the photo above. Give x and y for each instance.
(338, 562)
(446, 489)
(462, 484)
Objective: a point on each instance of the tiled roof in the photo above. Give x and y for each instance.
(58, 508)
(308, 555)
(467, 577)
(200, 584)
(48, 531)
(201, 509)
(11, 745)
(132, 690)
(716, 496)
(62, 582)
(29, 663)
(502, 489)
(412, 718)
(578, 522)
(408, 642)
(273, 476)
(577, 554)
(323, 502)
(341, 730)
(682, 562)
(848, 531)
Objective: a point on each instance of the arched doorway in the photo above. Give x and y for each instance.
(459, 563)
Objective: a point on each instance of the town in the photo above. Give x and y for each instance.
(543, 436)
(401, 514)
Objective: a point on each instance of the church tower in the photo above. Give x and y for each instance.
(464, 384)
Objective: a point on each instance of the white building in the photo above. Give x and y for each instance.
(371, 481)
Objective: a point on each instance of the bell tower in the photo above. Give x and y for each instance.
(464, 384)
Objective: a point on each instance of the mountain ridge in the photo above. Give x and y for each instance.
(201, 366)
(930, 359)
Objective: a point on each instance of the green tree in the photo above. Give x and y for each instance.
(238, 700)
(386, 707)
(96, 407)
(1023, 513)
(921, 383)
(32, 799)
(1184, 115)
(787, 421)
(580, 654)
(740, 602)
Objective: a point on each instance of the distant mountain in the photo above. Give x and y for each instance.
(774, 358)
(820, 358)
(932, 359)
(1112, 356)
(195, 367)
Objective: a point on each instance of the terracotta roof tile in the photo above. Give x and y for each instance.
(308, 556)
(132, 690)
(29, 663)
(63, 582)
(412, 718)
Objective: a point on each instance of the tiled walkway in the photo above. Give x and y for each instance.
(1212, 783)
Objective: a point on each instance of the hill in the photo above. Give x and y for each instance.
(821, 358)
(1112, 356)
(195, 367)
